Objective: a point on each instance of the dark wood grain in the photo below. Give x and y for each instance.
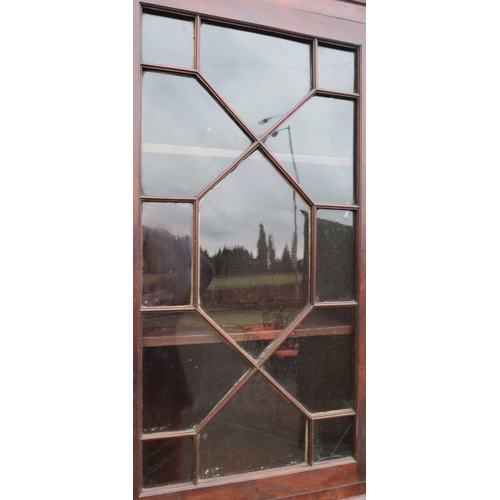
(300, 481)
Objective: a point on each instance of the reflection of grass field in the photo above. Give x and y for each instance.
(224, 282)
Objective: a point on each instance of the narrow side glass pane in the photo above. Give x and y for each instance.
(336, 69)
(166, 253)
(335, 255)
(167, 461)
(333, 438)
(167, 41)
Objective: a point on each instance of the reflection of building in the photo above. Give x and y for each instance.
(336, 260)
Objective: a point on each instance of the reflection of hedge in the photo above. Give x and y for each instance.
(261, 296)
(336, 259)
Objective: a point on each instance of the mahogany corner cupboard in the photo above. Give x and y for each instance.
(249, 249)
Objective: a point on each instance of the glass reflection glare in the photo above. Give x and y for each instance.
(260, 76)
(316, 146)
(254, 229)
(187, 139)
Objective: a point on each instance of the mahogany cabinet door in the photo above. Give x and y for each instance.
(249, 249)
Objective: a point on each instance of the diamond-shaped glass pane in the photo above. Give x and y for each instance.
(187, 138)
(261, 76)
(188, 375)
(258, 429)
(314, 364)
(316, 146)
(254, 230)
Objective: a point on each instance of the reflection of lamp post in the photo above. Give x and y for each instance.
(294, 237)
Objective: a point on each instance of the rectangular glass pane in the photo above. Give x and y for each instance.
(333, 438)
(167, 41)
(336, 69)
(166, 253)
(167, 461)
(335, 255)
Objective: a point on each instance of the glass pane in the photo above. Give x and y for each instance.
(166, 253)
(333, 438)
(315, 364)
(336, 255)
(167, 461)
(316, 146)
(167, 41)
(275, 72)
(336, 69)
(187, 139)
(258, 429)
(254, 229)
(182, 383)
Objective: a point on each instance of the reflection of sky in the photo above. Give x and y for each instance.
(252, 194)
(322, 127)
(343, 216)
(336, 69)
(177, 110)
(259, 75)
(174, 217)
(167, 41)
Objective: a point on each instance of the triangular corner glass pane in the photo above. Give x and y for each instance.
(187, 369)
(316, 146)
(258, 429)
(187, 138)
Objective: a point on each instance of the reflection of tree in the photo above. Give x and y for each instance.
(237, 260)
(262, 250)
(271, 253)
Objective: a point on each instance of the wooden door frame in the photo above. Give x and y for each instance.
(341, 22)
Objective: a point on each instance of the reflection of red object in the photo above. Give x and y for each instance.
(289, 351)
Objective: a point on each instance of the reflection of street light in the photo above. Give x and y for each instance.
(267, 119)
(294, 238)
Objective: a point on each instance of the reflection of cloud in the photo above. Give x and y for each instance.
(174, 217)
(253, 194)
(344, 217)
(259, 75)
